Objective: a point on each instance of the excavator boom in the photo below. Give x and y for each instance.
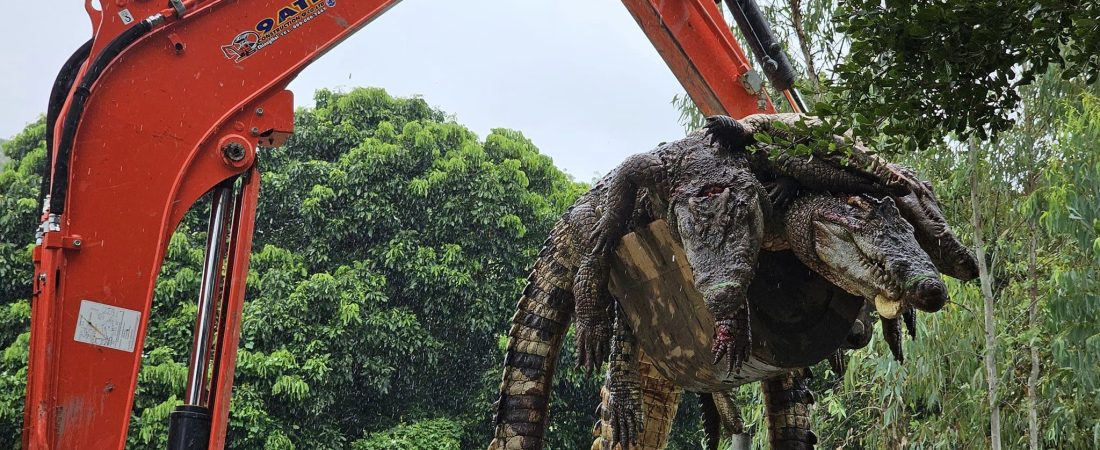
(167, 105)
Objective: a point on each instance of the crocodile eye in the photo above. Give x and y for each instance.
(850, 221)
(859, 202)
(711, 191)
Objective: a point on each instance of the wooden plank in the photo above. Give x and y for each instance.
(801, 320)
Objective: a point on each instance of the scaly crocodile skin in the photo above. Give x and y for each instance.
(534, 344)
(548, 301)
(788, 402)
(719, 206)
(729, 411)
(660, 400)
(624, 404)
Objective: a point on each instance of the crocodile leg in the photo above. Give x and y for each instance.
(729, 411)
(712, 421)
(720, 411)
(910, 318)
(838, 361)
(660, 401)
(787, 401)
(728, 133)
(640, 171)
(644, 170)
(782, 190)
(624, 404)
(593, 301)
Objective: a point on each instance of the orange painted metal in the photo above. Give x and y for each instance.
(791, 101)
(697, 45)
(145, 151)
(110, 20)
(229, 329)
(149, 145)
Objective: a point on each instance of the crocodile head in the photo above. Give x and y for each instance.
(921, 208)
(865, 246)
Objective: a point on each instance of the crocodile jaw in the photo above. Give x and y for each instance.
(887, 309)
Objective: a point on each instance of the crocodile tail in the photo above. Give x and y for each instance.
(788, 400)
(534, 344)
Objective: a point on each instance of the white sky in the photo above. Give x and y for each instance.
(578, 77)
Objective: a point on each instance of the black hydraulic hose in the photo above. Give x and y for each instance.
(61, 87)
(80, 99)
(764, 45)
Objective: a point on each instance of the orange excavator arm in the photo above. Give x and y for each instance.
(167, 105)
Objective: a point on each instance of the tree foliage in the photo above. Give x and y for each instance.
(918, 70)
(1044, 171)
(392, 242)
(18, 207)
(903, 75)
(390, 248)
(1047, 171)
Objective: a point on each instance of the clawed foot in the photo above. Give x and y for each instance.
(898, 182)
(909, 316)
(626, 419)
(891, 331)
(727, 132)
(592, 344)
(605, 236)
(839, 362)
(732, 338)
(781, 190)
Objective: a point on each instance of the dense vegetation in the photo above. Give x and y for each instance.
(1027, 201)
(918, 70)
(392, 243)
(391, 247)
(995, 103)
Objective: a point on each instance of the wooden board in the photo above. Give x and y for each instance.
(798, 318)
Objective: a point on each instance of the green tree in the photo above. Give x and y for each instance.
(918, 70)
(1045, 333)
(18, 216)
(1021, 81)
(1070, 219)
(390, 249)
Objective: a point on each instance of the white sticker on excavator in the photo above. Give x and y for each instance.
(107, 326)
(125, 16)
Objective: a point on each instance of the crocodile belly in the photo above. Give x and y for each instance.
(798, 317)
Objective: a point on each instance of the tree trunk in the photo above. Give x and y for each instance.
(1032, 322)
(804, 44)
(1035, 114)
(987, 298)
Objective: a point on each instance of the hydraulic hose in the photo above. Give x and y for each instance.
(61, 87)
(60, 187)
(764, 45)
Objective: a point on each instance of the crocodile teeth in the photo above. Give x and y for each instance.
(887, 308)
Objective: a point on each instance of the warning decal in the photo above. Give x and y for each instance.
(107, 326)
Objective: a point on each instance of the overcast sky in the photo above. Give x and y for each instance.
(578, 77)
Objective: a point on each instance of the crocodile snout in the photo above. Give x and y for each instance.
(930, 295)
